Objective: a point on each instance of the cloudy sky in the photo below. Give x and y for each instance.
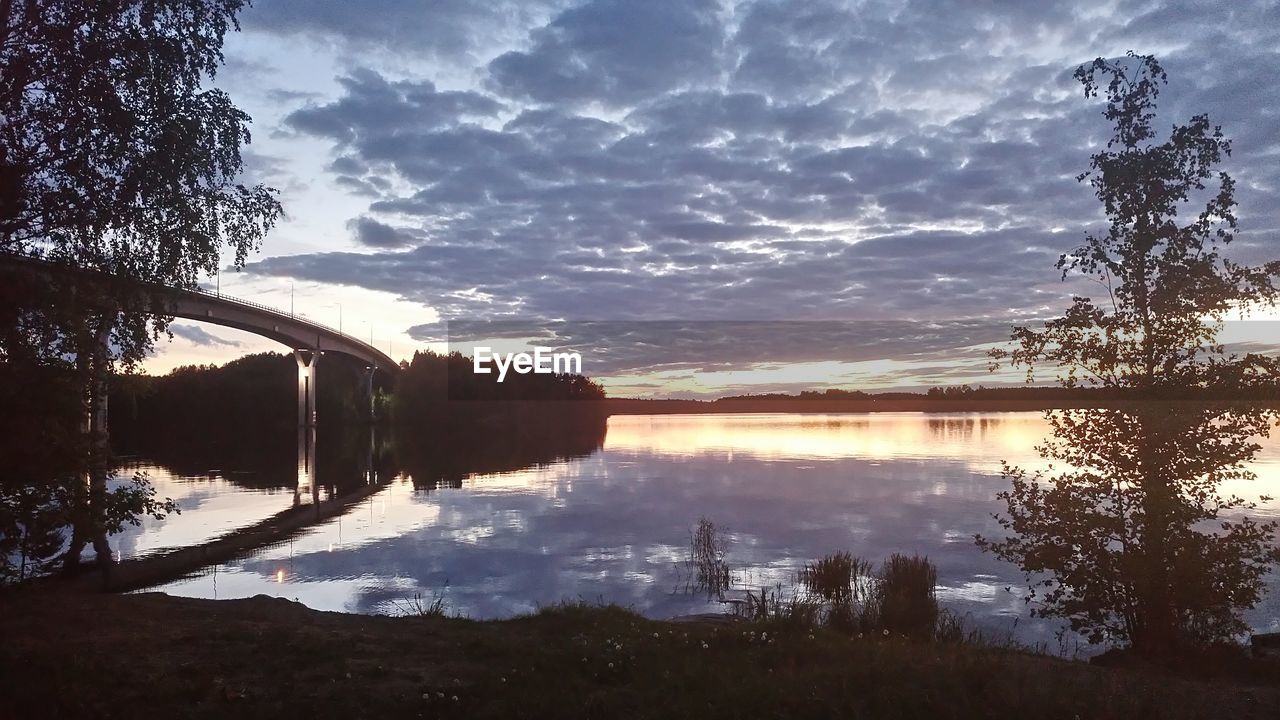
(625, 160)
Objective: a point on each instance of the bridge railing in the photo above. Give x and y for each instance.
(277, 311)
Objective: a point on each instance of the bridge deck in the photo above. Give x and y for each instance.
(287, 328)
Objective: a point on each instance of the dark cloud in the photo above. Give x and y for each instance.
(442, 29)
(614, 51)
(371, 233)
(199, 336)
(372, 104)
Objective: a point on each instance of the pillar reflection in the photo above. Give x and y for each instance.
(306, 484)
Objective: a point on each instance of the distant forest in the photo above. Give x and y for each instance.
(255, 395)
(443, 421)
(259, 391)
(1022, 392)
(440, 422)
(952, 398)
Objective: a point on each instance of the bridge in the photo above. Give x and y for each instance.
(306, 338)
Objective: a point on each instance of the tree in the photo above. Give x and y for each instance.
(114, 157)
(1134, 542)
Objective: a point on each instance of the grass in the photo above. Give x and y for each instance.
(418, 606)
(153, 655)
(839, 578)
(772, 606)
(707, 548)
(907, 599)
(846, 593)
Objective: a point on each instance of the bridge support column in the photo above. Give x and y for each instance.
(306, 386)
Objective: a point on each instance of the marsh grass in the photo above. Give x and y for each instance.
(839, 578)
(846, 593)
(772, 605)
(908, 601)
(707, 549)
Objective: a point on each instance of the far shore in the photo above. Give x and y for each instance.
(639, 406)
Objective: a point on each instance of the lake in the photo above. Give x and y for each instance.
(614, 525)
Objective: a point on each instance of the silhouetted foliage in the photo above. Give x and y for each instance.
(114, 158)
(1134, 542)
(847, 593)
(449, 422)
(828, 394)
(906, 596)
(255, 394)
(242, 414)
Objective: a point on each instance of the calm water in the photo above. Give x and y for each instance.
(615, 525)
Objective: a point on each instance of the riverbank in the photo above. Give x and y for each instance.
(90, 655)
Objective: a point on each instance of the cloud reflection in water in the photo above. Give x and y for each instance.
(615, 526)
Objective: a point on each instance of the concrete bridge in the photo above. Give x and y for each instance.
(308, 339)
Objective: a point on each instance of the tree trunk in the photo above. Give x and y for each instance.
(88, 513)
(1161, 633)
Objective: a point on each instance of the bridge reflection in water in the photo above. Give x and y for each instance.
(308, 486)
(355, 476)
(333, 469)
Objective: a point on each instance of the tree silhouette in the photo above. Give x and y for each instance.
(1133, 541)
(114, 158)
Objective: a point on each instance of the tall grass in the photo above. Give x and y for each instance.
(846, 588)
(771, 606)
(908, 597)
(839, 578)
(847, 593)
(707, 547)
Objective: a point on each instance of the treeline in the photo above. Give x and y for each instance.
(431, 378)
(831, 394)
(238, 407)
(449, 421)
(444, 421)
(1251, 391)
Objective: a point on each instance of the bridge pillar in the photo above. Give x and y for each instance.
(306, 386)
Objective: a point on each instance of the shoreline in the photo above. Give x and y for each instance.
(97, 655)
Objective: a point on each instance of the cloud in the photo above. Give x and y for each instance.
(639, 347)
(441, 29)
(199, 336)
(614, 51)
(374, 105)
(371, 233)
(765, 160)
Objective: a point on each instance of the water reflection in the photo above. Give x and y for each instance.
(614, 524)
(306, 465)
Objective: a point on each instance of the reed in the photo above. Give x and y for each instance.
(707, 548)
(907, 596)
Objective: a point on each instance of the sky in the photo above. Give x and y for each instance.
(700, 162)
